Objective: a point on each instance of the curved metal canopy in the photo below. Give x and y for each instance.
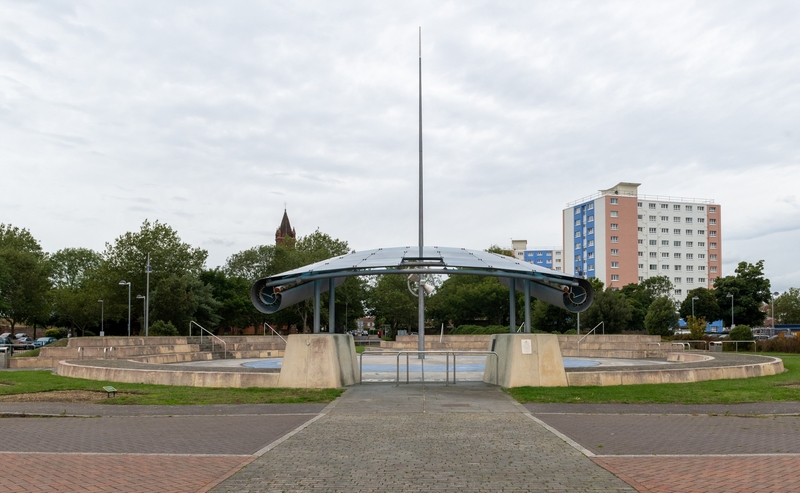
(288, 288)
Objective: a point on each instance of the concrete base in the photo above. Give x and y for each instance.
(526, 360)
(319, 361)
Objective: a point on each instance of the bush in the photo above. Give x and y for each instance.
(780, 345)
(57, 333)
(570, 331)
(88, 333)
(741, 333)
(162, 328)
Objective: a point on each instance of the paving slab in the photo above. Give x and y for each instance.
(80, 409)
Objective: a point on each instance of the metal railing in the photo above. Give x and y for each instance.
(647, 350)
(108, 351)
(203, 329)
(422, 362)
(588, 333)
(704, 342)
(274, 332)
(736, 343)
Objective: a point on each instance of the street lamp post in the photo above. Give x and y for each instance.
(694, 298)
(125, 283)
(773, 310)
(144, 307)
(731, 297)
(102, 317)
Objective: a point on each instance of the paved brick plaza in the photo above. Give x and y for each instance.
(465, 438)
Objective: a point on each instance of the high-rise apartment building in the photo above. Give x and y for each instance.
(547, 257)
(621, 237)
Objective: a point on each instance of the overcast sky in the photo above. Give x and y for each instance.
(210, 116)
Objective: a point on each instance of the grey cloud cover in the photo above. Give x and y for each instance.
(209, 116)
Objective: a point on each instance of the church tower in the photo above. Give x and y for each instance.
(285, 230)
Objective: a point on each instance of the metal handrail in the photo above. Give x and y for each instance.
(587, 334)
(447, 364)
(647, 351)
(705, 343)
(203, 329)
(274, 332)
(737, 344)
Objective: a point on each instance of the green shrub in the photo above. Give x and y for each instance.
(780, 345)
(570, 331)
(88, 333)
(162, 328)
(57, 333)
(741, 333)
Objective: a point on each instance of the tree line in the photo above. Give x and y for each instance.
(64, 289)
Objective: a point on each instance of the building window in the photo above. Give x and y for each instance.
(701, 279)
(701, 219)
(577, 210)
(677, 267)
(614, 226)
(712, 234)
(664, 254)
(590, 231)
(712, 246)
(676, 207)
(689, 244)
(577, 222)
(653, 254)
(640, 229)
(577, 258)
(640, 241)
(577, 234)
(614, 251)
(615, 239)
(701, 267)
(712, 257)
(688, 208)
(677, 280)
(701, 244)
(688, 220)
(676, 231)
(678, 292)
(590, 206)
(591, 267)
(713, 269)
(614, 213)
(641, 278)
(689, 280)
(676, 255)
(591, 254)
(665, 218)
(712, 222)
(712, 210)
(701, 208)
(664, 242)
(701, 232)
(591, 243)
(664, 206)
(652, 231)
(651, 242)
(653, 267)
(690, 268)
(641, 266)
(614, 200)
(639, 217)
(615, 265)
(676, 243)
(615, 277)
(665, 231)
(651, 206)
(651, 218)
(676, 219)
(590, 219)
(577, 246)
(665, 267)
(688, 232)
(638, 204)
(689, 256)
(641, 254)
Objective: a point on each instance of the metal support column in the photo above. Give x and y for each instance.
(317, 290)
(527, 306)
(421, 316)
(512, 304)
(331, 306)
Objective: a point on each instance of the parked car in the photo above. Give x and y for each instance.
(21, 335)
(44, 341)
(5, 335)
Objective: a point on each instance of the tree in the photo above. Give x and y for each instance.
(550, 318)
(661, 317)
(750, 291)
(464, 299)
(182, 299)
(705, 306)
(741, 333)
(126, 258)
(24, 277)
(610, 307)
(390, 302)
(696, 326)
(252, 264)
(787, 307)
(500, 251)
(235, 310)
(76, 287)
(657, 286)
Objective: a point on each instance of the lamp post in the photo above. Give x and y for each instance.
(102, 317)
(694, 298)
(144, 307)
(773, 310)
(125, 283)
(729, 295)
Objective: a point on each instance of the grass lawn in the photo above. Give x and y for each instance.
(21, 382)
(783, 387)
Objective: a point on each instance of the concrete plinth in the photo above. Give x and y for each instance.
(526, 360)
(319, 361)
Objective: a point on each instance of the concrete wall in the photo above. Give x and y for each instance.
(319, 361)
(526, 360)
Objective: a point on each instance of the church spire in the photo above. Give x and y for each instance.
(285, 230)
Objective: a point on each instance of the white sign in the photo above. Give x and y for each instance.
(526, 346)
